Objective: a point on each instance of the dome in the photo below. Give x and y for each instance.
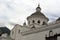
(37, 14)
(38, 7)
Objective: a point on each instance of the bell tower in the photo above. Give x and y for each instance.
(37, 18)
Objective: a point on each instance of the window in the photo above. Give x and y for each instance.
(38, 21)
(19, 31)
(33, 21)
(50, 33)
(43, 23)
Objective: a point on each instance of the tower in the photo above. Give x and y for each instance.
(37, 17)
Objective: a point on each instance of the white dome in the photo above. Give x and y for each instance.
(37, 14)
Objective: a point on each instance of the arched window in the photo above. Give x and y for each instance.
(33, 21)
(18, 31)
(43, 23)
(38, 21)
(50, 33)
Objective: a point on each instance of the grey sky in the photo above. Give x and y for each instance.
(16, 11)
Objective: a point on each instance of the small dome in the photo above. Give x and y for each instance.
(38, 7)
(24, 23)
(38, 14)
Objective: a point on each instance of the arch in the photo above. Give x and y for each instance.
(43, 23)
(50, 33)
(33, 21)
(38, 21)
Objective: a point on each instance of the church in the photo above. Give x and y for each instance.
(38, 28)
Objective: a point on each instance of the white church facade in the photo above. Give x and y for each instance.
(38, 28)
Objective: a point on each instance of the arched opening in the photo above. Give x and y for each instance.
(43, 23)
(50, 33)
(33, 21)
(38, 21)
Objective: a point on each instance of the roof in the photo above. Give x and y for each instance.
(38, 14)
(38, 7)
(5, 30)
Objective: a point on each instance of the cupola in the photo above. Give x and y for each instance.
(37, 17)
(38, 8)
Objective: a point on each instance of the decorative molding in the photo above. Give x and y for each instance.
(42, 28)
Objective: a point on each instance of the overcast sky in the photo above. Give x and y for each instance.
(16, 11)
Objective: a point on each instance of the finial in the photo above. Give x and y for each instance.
(38, 9)
(24, 23)
(38, 5)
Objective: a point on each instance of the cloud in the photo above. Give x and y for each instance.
(18, 10)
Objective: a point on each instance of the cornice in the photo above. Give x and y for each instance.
(42, 28)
